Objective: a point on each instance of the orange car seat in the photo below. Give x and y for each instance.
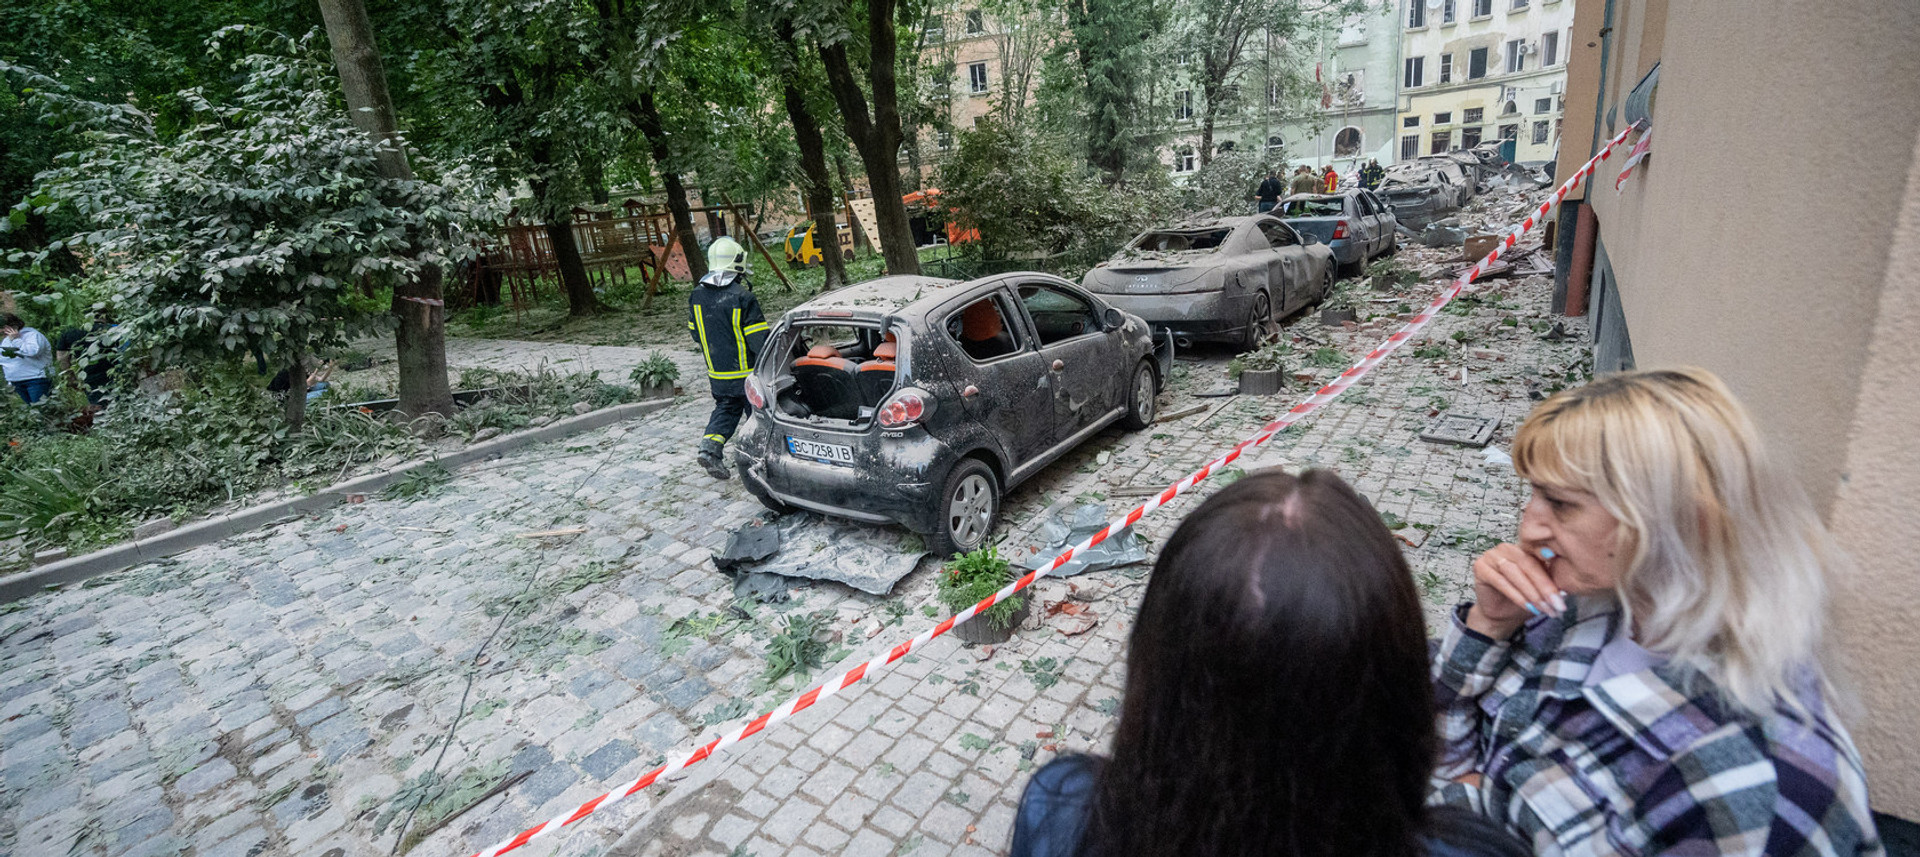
(876, 376)
(982, 333)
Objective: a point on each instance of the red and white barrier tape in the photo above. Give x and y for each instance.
(1310, 404)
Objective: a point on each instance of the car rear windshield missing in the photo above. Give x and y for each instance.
(1326, 206)
(1175, 242)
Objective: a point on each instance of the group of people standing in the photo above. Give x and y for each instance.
(27, 358)
(1637, 673)
(1305, 180)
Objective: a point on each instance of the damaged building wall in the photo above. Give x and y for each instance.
(1756, 242)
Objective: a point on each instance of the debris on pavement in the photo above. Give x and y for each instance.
(816, 547)
(1461, 429)
(1064, 528)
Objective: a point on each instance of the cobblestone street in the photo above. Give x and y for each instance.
(292, 690)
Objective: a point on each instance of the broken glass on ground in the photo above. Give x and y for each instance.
(814, 547)
(1071, 527)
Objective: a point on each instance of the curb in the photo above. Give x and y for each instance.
(126, 555)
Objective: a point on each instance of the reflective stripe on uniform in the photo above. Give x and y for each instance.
(755, 328)
(740, 340)
(706, 348)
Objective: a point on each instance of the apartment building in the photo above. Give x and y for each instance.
(1807, 301)
(1479, 70)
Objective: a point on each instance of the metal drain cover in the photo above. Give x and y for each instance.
(1461, 429)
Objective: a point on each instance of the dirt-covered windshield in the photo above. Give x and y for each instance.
(1325, 206)
(1177, 242)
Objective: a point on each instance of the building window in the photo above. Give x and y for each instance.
(1518, 5)
(976, 77)
(1183, 105)
(1543, 105)
(1549, 49)
(1469, 137)
(1346, 144)
(1443, 117)
(1416, 15)
(1482, 8)
(1473, 115)
(1446, 68)
(1274, 144)
(1509, 132)
(1540, 133)
(1446, 11)
(976, 22)
(944, 140)
(1183, 160)
(1477, 64)
(1516, 55)
(1442, 141)
(1409, 147)
(1511, 108)
(1273, 93)
(1410, 122)
(1416, 72)
(936, 31)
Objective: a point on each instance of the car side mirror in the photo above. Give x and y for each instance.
(1310, 238)
(1114, 318)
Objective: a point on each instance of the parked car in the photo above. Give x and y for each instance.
(922, 401)
(1424, 190)
(1354, 224)
(1220, 280)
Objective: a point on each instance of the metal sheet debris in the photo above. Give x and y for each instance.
(1067, 528)
(815, 547)
(1461, 429)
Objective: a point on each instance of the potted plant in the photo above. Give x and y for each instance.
(1340, 305)
(1262, 371)
(970, 577)
(656, 376)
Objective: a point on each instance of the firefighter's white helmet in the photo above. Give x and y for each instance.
(726, 254)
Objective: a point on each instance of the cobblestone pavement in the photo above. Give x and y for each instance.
(289, 691)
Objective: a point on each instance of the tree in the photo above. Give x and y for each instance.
(1110, 40)
(418, 304)
(264, 226)
(1218, 35)
(876, 133)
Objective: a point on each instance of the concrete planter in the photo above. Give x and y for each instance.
(980, 631)
(1260, 382)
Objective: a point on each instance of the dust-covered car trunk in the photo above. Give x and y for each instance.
(1222, 281)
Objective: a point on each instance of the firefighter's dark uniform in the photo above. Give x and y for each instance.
(724, 318)
(1371, 174)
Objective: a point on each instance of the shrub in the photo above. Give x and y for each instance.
(655, 371)
(976, 575)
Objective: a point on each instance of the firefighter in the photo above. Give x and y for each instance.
(724, 317)
(1332, 179)
(1371, 174)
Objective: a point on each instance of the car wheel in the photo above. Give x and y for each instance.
(968, 504)
(1259, 323)
(1326, 282)
(1140, 397)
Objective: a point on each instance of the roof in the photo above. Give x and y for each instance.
(879, 296)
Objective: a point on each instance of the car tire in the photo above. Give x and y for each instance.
(1326, 282)
(1259, 322)
(1141, 392)
(968, 505)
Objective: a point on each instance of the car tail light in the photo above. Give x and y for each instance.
(1340, 229)
(904, 409)
(754, 397)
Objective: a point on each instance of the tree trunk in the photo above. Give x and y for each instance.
(813, 164)
(647, 114)
(594, 173)
(581, 300)
(876, 135)
(420, 342)
(296, 401)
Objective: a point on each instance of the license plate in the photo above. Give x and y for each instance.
(831, 453)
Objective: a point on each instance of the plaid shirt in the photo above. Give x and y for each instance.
(1649, 762)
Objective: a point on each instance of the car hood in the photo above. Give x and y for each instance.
(1150, 277)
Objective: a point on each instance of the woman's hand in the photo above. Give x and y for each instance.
(1509, 586)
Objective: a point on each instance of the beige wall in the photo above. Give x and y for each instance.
(1774, 238)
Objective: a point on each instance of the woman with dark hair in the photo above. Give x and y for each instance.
(1277, 697)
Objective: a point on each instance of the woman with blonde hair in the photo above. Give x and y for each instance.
(1640, 673)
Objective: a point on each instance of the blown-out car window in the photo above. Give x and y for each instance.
(983, 330)
(1175, 242)
(1056, 314)
(1278, 234)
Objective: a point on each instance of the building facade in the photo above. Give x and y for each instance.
(1478, 70)
(1807, 302)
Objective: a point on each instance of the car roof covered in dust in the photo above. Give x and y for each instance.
(879, 297)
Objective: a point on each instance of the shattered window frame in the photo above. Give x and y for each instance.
(977, 81)
(1540, 132)
(1409, 147)
(1477, 57)
(1473, 115)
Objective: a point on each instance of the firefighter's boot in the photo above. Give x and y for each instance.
(712, 460)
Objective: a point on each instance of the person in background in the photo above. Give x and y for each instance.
(1304, 181)
(1372, 174)
(97, 373)
(1269, 192)
(1639, 673)
(1277, 700)
(25, 355)
(1331, 180)
(724, 317)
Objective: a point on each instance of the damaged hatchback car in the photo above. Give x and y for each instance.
(922, 401)
(1224, 280)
